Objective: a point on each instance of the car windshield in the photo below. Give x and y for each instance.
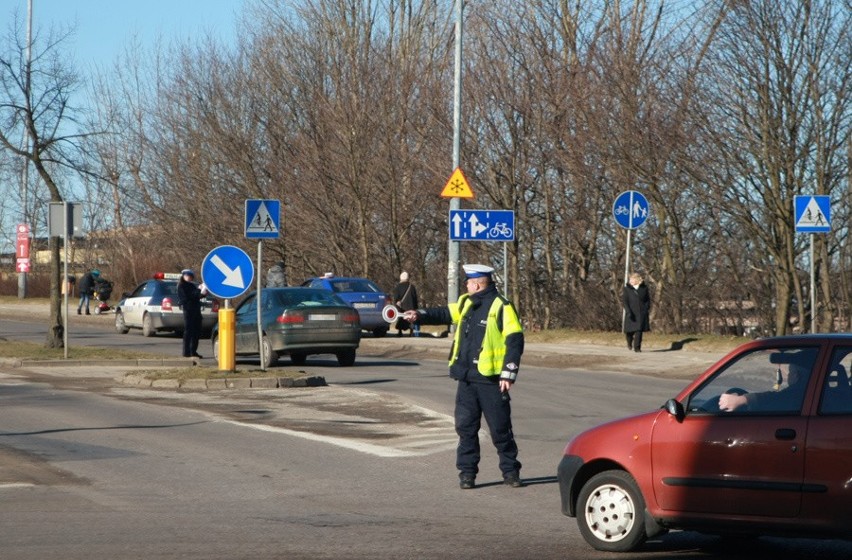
(349, 285)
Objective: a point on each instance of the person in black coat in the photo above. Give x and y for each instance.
(405, 298)
(637, 310)
(189, 298)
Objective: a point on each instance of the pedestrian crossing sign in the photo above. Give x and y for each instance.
(813, 214)
(457, 186)
(262, 219)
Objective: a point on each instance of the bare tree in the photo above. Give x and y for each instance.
(776, 109)
(35, 96)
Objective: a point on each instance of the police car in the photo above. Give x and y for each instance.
(153, 307)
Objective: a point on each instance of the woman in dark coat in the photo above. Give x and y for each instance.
(405, 298)
(637, 309)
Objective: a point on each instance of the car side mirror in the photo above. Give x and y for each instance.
(675, 408)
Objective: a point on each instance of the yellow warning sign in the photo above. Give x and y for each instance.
(457, 186)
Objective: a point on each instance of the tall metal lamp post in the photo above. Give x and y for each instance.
(453, 249)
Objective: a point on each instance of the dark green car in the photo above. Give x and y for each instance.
(298, 322)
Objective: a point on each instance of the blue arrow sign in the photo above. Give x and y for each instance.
(227, 271)
(262, 219)
(630, 209)
(482, 225)
(813, 214)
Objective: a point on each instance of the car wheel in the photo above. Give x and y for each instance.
(346, 358)
(268, 356)
(298, 358)
(148, 326)
(120, 325)
(611, 512)
(379, 332)
(216, 348)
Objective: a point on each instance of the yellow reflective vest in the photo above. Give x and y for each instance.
(493, 350)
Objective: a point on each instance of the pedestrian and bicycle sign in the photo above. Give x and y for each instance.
(813, 213)
(630, 209)
(482, 225)
(262, 219)
(227, 271)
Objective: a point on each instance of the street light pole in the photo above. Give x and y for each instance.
(22, 276)
(453, 249)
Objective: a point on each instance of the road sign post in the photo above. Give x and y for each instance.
(484, 225)
(263, 219)
(813, 215)
(227, 272)
(630, 211)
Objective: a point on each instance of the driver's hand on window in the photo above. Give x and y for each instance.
(730, 402)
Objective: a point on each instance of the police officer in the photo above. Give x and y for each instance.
(189, 298)
(484, 359)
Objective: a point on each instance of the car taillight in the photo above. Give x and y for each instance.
(215, 306)
(290, 318)
(167, 304)
(351, 318)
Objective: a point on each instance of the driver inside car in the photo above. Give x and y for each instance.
(787, 399)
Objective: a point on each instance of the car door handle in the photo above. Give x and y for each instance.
(785, 433)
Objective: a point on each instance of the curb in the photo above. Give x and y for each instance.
(224, 383)
(140, 362)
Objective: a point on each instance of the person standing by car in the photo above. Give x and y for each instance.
(275, 276)
(637, 310)
(405, 299)
(189, 298)
(484, 359)
(87, 290)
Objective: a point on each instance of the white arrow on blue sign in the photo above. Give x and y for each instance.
(813, 213)
(227, 271)
(630, 209)
(262, 218)
(482, 225)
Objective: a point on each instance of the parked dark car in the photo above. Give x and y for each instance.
(152, 307)
(360, 293)
(759, 444)
(296, 321)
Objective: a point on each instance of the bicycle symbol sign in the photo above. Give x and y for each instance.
(482, 225)
(630, 209)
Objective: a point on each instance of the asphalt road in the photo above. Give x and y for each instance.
(91, 468)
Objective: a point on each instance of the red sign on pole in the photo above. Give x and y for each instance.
(22, 242)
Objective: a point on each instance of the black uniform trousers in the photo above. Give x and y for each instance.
(473, 400)
(191, 332)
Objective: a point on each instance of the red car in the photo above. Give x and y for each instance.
(760, 444)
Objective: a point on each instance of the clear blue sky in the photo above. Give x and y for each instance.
(105, 27)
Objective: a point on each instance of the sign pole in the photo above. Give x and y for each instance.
(65, 228)
(812, 215)
(813, 290)
(259, 299)
(626, 275)
(630, 211)
(455, 203)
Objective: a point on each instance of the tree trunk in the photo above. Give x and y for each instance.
(56, 330)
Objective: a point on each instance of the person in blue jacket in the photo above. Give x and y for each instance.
(484, 360)
(87, 290)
